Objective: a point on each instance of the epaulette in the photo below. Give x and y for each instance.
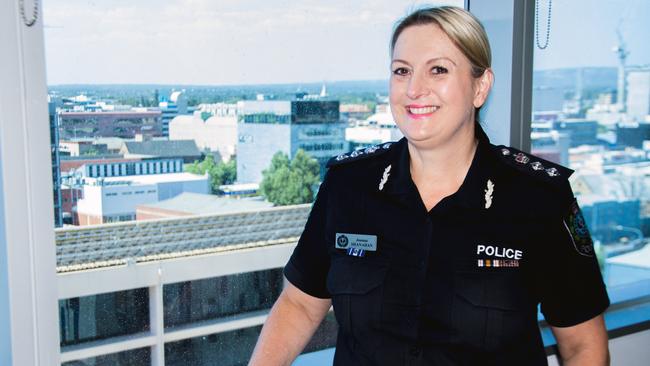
(360, 154)
(534, 166)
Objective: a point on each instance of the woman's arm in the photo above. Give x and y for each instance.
(290, 325)
(583, 344)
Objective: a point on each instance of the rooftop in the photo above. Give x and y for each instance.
(196, 203)
(163, 148)
(118, 244)
(146, 179)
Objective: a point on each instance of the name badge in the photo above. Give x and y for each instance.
(356, 241)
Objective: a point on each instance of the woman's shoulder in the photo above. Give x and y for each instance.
(361, 167)
(364, 154)
(541, 182)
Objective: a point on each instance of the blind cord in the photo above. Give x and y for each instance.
(34, 18)
(548, 25)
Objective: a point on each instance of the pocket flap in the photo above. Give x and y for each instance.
(489, 289)
(354, 275)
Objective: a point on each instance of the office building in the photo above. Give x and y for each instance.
(125, 124)
(82, 147)
(266, 127)
(632, 134)
(176, 105)
(113, 199)
(214, 134)
(638, 93)
(376, 129)
(580, 131)
(56, 161)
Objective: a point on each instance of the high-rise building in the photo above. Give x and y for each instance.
(638, 92)
(56, 162)
(176, 105)
(266, 127)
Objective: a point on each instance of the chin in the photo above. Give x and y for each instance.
(415, 131)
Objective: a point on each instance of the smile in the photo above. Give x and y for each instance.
(421, 110)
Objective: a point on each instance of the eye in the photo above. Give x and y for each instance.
(401, 71)
(438, 70)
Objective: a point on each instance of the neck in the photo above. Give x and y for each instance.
(446, 163)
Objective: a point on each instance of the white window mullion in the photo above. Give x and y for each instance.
(28, 294)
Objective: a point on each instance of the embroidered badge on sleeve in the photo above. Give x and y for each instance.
(577, 228)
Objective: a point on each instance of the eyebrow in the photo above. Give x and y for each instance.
(428, 62)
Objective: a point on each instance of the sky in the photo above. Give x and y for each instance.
(220, 42)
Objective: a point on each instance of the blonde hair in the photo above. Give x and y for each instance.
(464, 30)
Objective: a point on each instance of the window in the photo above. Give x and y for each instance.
(591, 112)
(137, 357)
(193, 301)
(103, 316)
(136, 119)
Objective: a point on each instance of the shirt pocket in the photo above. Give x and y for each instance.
(356, 287)
(491, 310)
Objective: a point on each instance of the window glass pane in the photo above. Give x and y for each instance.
(173, 121)
(591, 112)
(90, 318)
(136, 357)
(192, 301)
(235, 347)
(224, 349)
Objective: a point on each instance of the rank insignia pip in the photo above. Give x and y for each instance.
(577, 228)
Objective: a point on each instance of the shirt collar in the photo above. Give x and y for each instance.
(472, 192)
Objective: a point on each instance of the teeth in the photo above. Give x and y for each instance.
(423, 110)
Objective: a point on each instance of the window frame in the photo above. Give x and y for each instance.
(28, 293)
(28, 279)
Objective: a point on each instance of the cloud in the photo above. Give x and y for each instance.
(196, 41)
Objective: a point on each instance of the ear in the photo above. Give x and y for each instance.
(482, 86)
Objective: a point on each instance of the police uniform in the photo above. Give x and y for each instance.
(459, 284)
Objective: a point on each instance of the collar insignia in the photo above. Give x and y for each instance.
(488, 194)
(384, 178)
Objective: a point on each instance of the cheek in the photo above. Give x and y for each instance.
(395, 95)
(456, 94)
(394, 90)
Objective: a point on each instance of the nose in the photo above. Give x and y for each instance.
(417, 87)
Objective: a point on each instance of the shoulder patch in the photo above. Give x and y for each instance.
(360, 154)
(532, 165)
(575, 224)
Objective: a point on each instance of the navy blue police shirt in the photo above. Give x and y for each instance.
(459, 284)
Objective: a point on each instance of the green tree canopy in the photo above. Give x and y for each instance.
(220, 173)
(288, 182)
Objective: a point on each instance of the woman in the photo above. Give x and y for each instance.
(437, 249)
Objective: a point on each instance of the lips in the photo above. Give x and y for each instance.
(421, 110)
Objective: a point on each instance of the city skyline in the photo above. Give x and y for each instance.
(200, 42)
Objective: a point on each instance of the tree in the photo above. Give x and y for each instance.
(288, 182)
(220, 173)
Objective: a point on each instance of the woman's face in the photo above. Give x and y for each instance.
(432, 91)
